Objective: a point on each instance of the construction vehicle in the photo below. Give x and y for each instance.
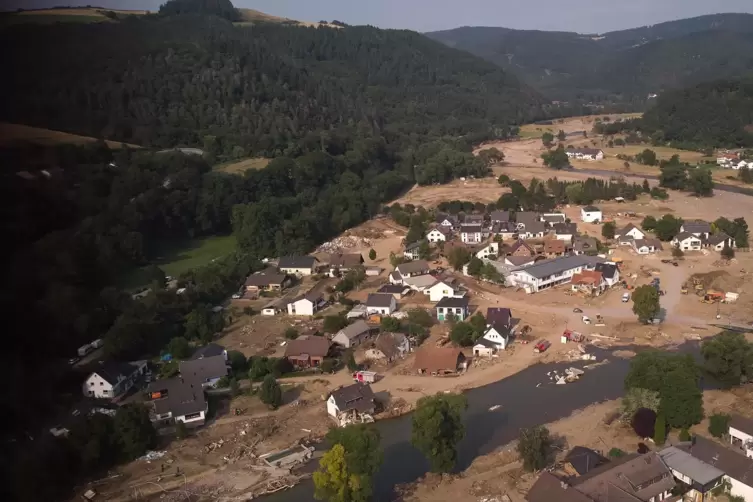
(712, 296)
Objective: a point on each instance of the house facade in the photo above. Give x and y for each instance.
(414, 268)
(741, 434)
(266, 280)
(113, 379)
(455, 307)
(436, 235)
(298, 265)
(389, 347)
(686, 241)
(591, 214)
(699, 228)
(307, 352)
(307, 304)
(609, 272)
(353, 335)
(350, 401)
(585, 154)
(380, 303)
(444, 289)
(177, 400)
(206, 371)
(550, 273)
(431, 360)
(488, 250)
(719, 241)
(646, 246)
(626, 235)
(411, 251)
(471, 234)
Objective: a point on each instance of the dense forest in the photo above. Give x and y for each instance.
(709, 115)
(616, 67)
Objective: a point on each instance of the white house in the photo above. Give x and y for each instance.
(438, 234)
(737, 468)
(533, 230)
(113, 379)
(699, 228)
(591, 214)
(357, 399)
(550, 273)
(646, 246)
(298, 265)
(627, 235)
(205, 372)
(380, 303)
(488, 250)
(417, 267)
(177, 400)
(411, 251)
(274, 307)
(471, 234)
(444, 289)
(306, 304)
(687, 242)
(609, 272)
(565, 231)
(448, 221)
(585, 153)
(719, 241)
(741, 434)
(497, 335)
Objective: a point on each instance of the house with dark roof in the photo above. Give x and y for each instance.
(737, 468)
(499, 216)
(647, 246)
(473, 219)
(112, 379)
(686, 241)
(177, 400)
(298, 265)
(505, 230)
(518, 248)
(552, 219)
(267, 280)
(609, 272)
(396, 290)
(533, 230)
(306, 304)
(471, 233)
(499, 316)
(549, 488)
(452, 306)
(411, 251)
(565, 231)
(354, 334)
(413, 268)
(591, 214)
(307, 352)
(380, 303)
(439, 234)
(626, 235)
(206, 371)
(741, 434)
(447, 220)
(210, 350)
(351, 401)
(340, 263)
(526, 218)
(584, 245)
(719, 241)
(434, 360)
(520, 261)
(699, 228)
(585, 153)
(550, 273)
(389, 347)
(580, 460)
(699, 476)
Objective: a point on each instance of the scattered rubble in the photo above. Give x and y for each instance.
(153, 455)
(344, 242)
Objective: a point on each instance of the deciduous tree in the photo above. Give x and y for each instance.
(271, 392)
(728, 357)
(533, 447)
(438, 427)
(372, 254)
(134, 430)
(458, 257)
(719, 424)
(548, 139)
(363, 455)
(645, 303)
(608, 230)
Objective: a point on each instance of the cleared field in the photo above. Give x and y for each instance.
(176, 258)
(251, 16)
(570, 124)
(243, 165)
(16, 134)
(73, 15)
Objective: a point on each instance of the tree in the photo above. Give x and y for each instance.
(362, 454)
(491, 156)
(645, 303)
(475, 267)
(390, 324)
(491, 274)
(548, 139)
(181, 431)
(234, 387)
(660, 430)
(424, 251)
(291, 333)
(667, 227)
(179, 348)
(745, 175)
(134, 430)
(561, 136)
(700, 182)
(727, 252)
(646, 186)
(503, 179)
(334, 323)
(649, 223)
(533, 447)
(719, 424)
(238, 362)
(684, 435)
(674, 177)
(646, 157)
(677, 252)
(372, 254)
(458, 257)
(350, 361)
(728, 357)
(333, 482)
(271, 392)
(643, 422)
(437, 429)
(420, 317)
(608, 230)
(557, 158)
(462, 334)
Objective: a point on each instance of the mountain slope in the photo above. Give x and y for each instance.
(623, 65)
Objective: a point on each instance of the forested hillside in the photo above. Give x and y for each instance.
(623, 66)
(714, 114)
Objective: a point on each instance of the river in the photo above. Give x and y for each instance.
(522, 404)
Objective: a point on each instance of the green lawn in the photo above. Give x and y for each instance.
(179, 257)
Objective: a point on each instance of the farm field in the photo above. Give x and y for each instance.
(570, 124)
(17, 134)
(242, 166)
(63, 15)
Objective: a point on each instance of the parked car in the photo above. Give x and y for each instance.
(586, 319)
(577, 310)
(625, 297)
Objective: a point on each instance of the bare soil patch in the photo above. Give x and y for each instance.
(17, 134)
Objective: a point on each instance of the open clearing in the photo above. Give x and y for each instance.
(17, 134)
(253, 16)
(570, 124)
(242, 166)
(62, 15)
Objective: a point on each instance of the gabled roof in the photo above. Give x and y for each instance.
(266, 277)
(471, 228)
(432, 358)
(389, 343)
(379, 300)
(486, 343)
(607, 270)
(354, 330)
(549, 488)
(684, 235)
(357, 397)
(392, 289)
(520, 244)
(565, 228)
(555, 246)
(181, 396)
(442, 230)
(527, 217)
(315, 346)
(203, 369)
(501, 216)
(345, 260)
(638, 476)
(692, 467)
(696, 226)
(412, 245)
(656, 243)
(413, 267)
(733, 464)
(498, 315)
(583, 460)
(583, 243)
(449, 217)
(535, 227)
(629, 227)
(312, 296)
(591, 209)
(452, 302)
(518, 261)
(473, 218)
(558, 265)
(209, 350)
(717, 238)
(297, 262)
(553, 218)
(591, 277)
(111, 370)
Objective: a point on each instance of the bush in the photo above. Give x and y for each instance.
(616, 453)
(328, 365)
(660, 430)
(291, 333)
(248, 311)
(271, 393)
(684, 435)
(334, 323)
(223, 383)
(181, 431)
(389, 324)
(643, 422)
(728, 253)
(719, 424)
(350, 360)
(533, 447)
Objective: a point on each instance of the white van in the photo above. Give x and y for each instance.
(625, 297)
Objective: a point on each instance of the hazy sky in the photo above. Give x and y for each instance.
(586, 16)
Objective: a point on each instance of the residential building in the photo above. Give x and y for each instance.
(554, 248)
(583, 245)
(411, 269)
(719, 241)
(340, 263)
(389, 347)
(438, 234)
(526, 218)
(276, 306)
(473, 219)
(471, 234)
(520, 248)
(701, 477)
(580, 460)
(439, 360)
(177, 400)
(552, 219)
(585, 153)
(741, 434)
(647, 246)
(448, 221)
(728, 159)
(445, 288)
(687, 242)
(609, 272)
(499, 216)
(488, 250)
(505, 230)
(565, 231)
(588, 281)
(495, 337)
(307, 304)
(699, 228)
(457, 307)
(307, 352)
(591, 214)
(210, 350)
(373, 271)
(533, 230)
(357, 399)
(206, 371)
(519, 261)
(420, 282)
(737, 468)
(549, 273)
(112, 379)
(354, 334)
(380, 303)
(298, 265)
(500, 317)
(549, 488)
(396, 290)
(266, 280)
(629, 233)
(411, 251)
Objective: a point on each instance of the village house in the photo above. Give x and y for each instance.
(266, 280)
(473, 219)
(396, 290)
(307, 304)
(380, 303)
(519, 248)
(488, 250)
(699, 228)
(553, 248)
(373, 271)
(412, 269)
(471, 234)
(591, 214)
(741, 434)
(205, 372)
(585, 153)
(276, 306)
(420, 283)
(389, 347)
(497, 333)
(505, 230)
(580, 460)
(550, 273)
(500, 317)
(439, 234)
(411, 251)
(533, 230)
(552, 219)
(112, 379)
(445, 288)
(728, 160)
(719, 241)
(439, 360)
(309, 352)
(350, 402)
(341, 263)
(177, 400)
(298, 265)
(499, 216)
(737, 468)
(456, 307)
(589, 281)
(565, 231)
(210, 350)
(449, 221)
(354, 334)
(583, 245)
(609, 272)
(647, 246)
(628, 234)
(484, 348)
(519, 261)
(686, 241)
(526, 218)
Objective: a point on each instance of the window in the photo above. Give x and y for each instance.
(191, 416)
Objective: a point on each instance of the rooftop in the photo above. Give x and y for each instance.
(500, 216)
(584, 460)
(437, 358)
(696, 226)
(267, 277)
(180, 396)
(297, 262)
(555, 246)
(111, 371)
(209, 350)
(452, 302)
(357, 397)
(345, 260)
(558, 265)
(392, 289)
(380, 300)
(685, 463)
(742, 424)
(549, 488)
(413, 267)
(500, 315)
(388, 343)
(357, 328)
(732, 463)
(717, 238)
(591, 277)
(639, 476)
(608, 270)
(315, 346)
(201, 370)
(591, 209)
